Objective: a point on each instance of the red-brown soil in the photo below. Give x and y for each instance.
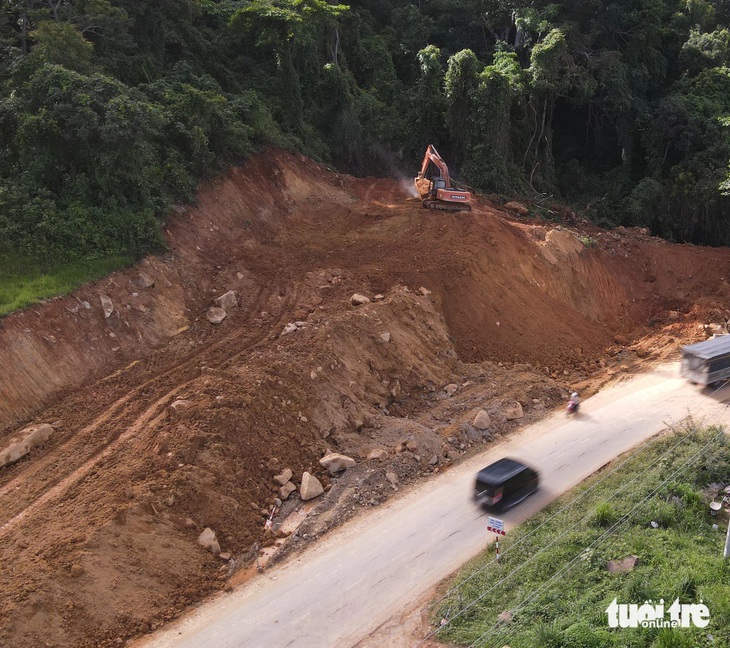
(98, 528)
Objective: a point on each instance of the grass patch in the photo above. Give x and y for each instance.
(23, 282)
(552, 577)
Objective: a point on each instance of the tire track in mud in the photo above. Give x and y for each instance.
(138, 414)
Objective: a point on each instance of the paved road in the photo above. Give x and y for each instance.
(349, 584)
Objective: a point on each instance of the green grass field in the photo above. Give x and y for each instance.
(552, 575)
(23, 282)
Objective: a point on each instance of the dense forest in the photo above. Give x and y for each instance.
(113, 110)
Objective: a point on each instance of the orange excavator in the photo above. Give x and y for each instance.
(434, 185)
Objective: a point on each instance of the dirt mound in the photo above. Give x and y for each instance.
(165, 424)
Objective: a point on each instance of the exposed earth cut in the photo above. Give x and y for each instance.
(187, 399)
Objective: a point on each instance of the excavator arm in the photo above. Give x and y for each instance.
(433, 158)
(433, 185)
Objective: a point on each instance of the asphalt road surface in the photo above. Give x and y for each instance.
(344, 590)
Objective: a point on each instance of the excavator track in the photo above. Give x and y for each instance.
(437, 204)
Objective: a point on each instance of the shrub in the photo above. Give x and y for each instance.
(605, 516)
(547, 635)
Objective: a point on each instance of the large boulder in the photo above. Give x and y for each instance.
(310, 487)
(284, 476)
(482, 420)
(144, 281)
(107, 305)
(27, 439)
(208, 540)
(178, 407)
(227, 300)
(513, 411)
(518, 207)
(451, 389)
(286, 490)
(335, 462)
(216, 315)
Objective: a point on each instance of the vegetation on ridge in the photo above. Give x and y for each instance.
(112, 110)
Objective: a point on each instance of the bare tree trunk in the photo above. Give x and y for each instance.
(54, 8)
(336, 45)
(24, 28)
(534, 132)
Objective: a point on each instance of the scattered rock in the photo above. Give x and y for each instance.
(310, 488)
(451, 389)
(412, 446)
(358, 300)
(622, 566)
(107, 305)
(77, 570)
(385, 337)
(286, 490)
(284, 477)
(215, 315)
(227, 300)
(335, 462)
(208, 540)
(379, 297)
(178, 407)
(391, 477)
(482, 420)
(378, 453)
(143, 281)
(224, 556)
(289, 328)
(423, 291)
(433, 460)
(513, 411)
(505, 616)
(715, 329)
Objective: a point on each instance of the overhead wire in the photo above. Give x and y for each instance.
(484, 567)
(556, 539)
(623, 520)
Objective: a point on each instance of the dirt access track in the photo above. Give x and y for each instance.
(99, 525)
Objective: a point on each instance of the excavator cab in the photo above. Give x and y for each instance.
(433, 185)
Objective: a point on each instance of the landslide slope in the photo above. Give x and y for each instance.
(98, 527)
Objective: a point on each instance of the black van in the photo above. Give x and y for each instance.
(503, 484)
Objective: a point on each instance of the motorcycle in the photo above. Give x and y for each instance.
(572, 407)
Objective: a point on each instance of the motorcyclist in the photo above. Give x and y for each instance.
(573, 402)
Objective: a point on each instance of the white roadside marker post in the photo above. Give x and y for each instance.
(496, 526)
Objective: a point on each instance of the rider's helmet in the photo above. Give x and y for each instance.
(574, 395)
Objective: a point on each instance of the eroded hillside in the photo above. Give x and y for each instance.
(99, 525)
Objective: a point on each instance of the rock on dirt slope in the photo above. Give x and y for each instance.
(165, 424)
